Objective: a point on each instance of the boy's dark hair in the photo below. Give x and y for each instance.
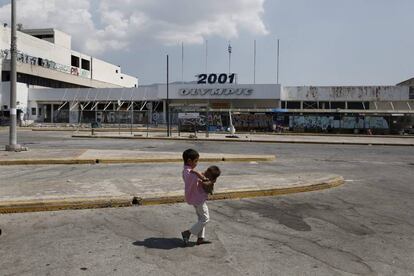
(214, 171)
(190, 154)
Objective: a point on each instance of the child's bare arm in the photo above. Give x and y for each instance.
(199, 175)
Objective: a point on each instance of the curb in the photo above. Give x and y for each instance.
(40, 205)
(247, 193)
(19, 162)
(43, 205)
(102, 130)
(246, 141)
(144, 129)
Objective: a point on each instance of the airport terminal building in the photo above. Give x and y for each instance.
(254, 107)
(59, 85)
(45, 59)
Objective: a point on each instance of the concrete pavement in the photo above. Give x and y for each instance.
(364, 227)
(259, 138)
(150, 189)
(93, 156)
(47, 186)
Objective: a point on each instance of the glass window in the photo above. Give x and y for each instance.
(293, 105)
(355, 105)
(335, 105)
(75, 61)
(86, 64)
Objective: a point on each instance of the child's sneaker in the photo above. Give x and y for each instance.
(186, 237)
(201, 241)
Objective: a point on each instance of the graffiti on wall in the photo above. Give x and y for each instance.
(46, 63)
(345, 93)
(326, 122)
(252, 121)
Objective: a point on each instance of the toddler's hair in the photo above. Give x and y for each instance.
(213, 172)
(190, 154)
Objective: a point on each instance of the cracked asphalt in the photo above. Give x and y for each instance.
(364, 227)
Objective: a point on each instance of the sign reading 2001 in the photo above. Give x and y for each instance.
(216, 90)
(215, 78)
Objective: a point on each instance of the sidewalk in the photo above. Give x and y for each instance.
(91, 156)
(49, 186)
(60, 193)
(260, 138)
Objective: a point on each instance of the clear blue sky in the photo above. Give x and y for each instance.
(323, 42)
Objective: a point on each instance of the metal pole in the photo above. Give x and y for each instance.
(119, 120)
(206, 71)
(207, 121)
(147, 122)
(13, 146)
(254, 64)
(277, 78)
(182, 62)
(168, 107)
(132, 116)
(229, 50)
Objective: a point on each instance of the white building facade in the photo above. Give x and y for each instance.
(45, 59)
(254, 106)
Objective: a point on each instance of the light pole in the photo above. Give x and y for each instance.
(168, 99)
(13, 146)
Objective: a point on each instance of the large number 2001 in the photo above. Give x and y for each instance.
(214, 78)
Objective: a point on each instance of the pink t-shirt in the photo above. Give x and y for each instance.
(194, 193)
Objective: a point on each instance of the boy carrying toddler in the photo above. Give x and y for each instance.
(197, 187)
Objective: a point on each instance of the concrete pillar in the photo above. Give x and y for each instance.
(51, 113)
(150, 106)
(45, 118)
(73, 113)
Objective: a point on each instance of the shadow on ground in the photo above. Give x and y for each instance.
(162, 243)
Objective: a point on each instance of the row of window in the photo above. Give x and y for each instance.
(325, 105)
(39, 81)
(84, 63)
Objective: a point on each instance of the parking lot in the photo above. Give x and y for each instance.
(363, 227)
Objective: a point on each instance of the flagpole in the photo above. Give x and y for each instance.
(206, 71)
(254, 63)
(182, 62)
(277, 69)
(229, 50)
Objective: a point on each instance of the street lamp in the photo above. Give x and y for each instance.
(168, 99)
(13, 146)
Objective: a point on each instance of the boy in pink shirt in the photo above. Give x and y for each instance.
(196, 195)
